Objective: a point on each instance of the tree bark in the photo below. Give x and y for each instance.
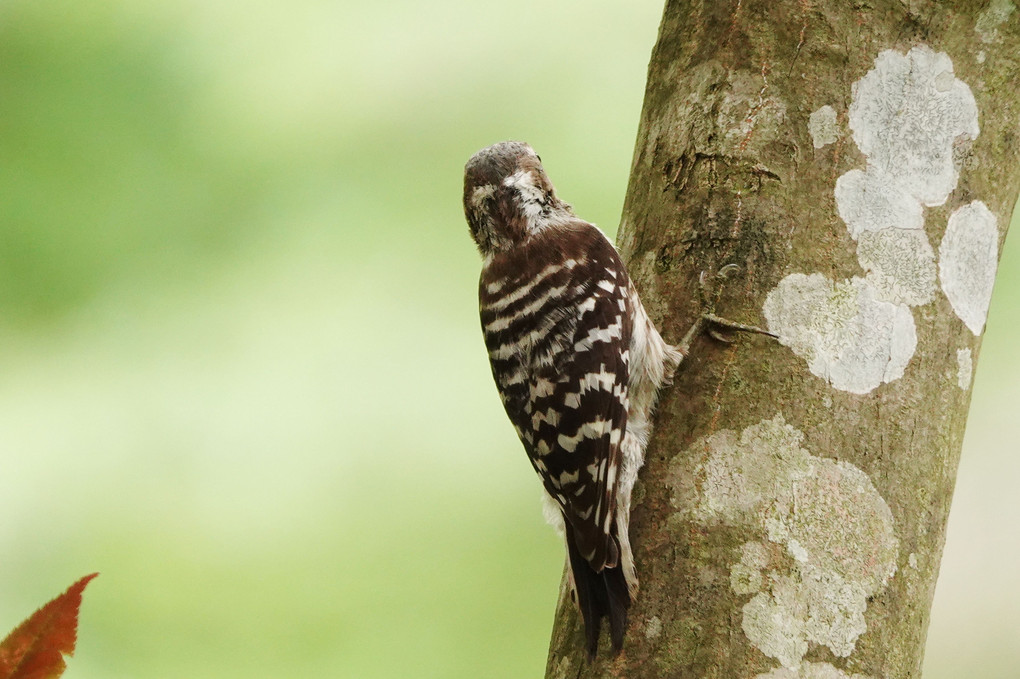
(860, 161)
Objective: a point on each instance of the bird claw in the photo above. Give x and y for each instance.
(716, 327)
(721, 329)
(718, 336)
(726, 270)
(710, 297)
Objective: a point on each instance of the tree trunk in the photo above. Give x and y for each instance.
(860, 162)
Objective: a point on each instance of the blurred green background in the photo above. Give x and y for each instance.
(240, 368)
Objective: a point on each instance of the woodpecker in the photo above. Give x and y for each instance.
(578, 365)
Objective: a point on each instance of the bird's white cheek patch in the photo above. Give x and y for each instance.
(481, 194)
(845, 332)
(825, 540)
(968, 258)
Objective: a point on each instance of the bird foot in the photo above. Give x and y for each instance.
(717, 327)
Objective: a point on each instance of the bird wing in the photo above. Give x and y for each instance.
(558, 340)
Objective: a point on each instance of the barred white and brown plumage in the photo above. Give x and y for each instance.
(577, 362)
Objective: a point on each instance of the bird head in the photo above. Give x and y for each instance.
(508, 196)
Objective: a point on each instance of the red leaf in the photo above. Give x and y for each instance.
(34, 649)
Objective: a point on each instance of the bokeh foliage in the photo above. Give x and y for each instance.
(240, 369)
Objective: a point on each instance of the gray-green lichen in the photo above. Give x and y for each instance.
(900, 265)
(653, 628)
(810, 670)
(968, 260)
(848, 335)
(964, 368)
(872, 201)
(822, 126)
(827, 541)
(749, 113)
(746, 574)
(994, 15)
(562, 670)
(746, 118)
(909, 115)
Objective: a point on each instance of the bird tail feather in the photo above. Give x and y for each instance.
(600, 594)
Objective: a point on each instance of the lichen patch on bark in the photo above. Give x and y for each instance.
(848, 335)
(968, 259)
(994, 15)
(909, 116)
(810, 670)
(900, 265)
(746, 574)
(653, 628)
(827, 541)
(822, 126)
(965, 368)
(871, 200)
(562, 669)
(749, 114)
(907, 113)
